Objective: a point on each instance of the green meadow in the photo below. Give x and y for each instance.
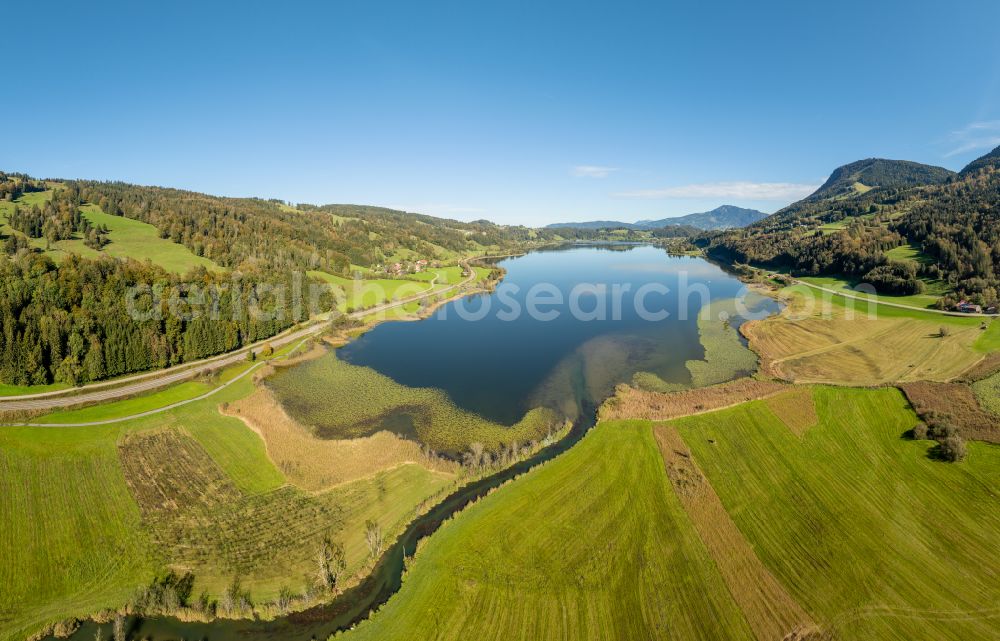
(934, 291)
(83, 511)
(874, 537)
(367, 292)
(135, 239)
(857, 525)
(862, 307)
(592, 545)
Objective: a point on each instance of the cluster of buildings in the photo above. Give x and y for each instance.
(966, 307)
(406, 267)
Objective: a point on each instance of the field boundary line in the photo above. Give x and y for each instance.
(768, 608)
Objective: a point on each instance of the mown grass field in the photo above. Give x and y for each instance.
(77, 540)
(933, 292)
(872, 536)
(817, 340)
(593, 545)
(845, 528)
(71, 535)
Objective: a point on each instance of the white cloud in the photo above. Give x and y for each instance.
(593, 171)
(740, 190)
(976, 135)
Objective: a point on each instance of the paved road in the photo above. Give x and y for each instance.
(899, 305)
(125, 387)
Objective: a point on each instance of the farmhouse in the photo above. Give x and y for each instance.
(968, 308)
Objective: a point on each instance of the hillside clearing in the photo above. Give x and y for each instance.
(128, 239)
(141, 241)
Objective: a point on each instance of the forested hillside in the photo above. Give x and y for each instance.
(243, 233)
(64, 302)
(879, 172)
(954, 221)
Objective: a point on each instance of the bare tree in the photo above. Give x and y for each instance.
(332, 562)
(119, 628)
(373, 534)
(474, 457)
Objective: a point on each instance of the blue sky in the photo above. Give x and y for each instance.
(520, 112)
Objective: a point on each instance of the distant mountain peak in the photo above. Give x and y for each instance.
(722, 217)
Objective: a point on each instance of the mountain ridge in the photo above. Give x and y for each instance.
(722, 217)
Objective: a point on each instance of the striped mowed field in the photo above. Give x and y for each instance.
(839, 528)
(830, 340)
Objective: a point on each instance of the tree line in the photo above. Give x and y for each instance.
(88, 319)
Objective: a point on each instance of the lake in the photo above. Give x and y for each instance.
(559, 332)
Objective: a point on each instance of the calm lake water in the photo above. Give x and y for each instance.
(499, 364)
